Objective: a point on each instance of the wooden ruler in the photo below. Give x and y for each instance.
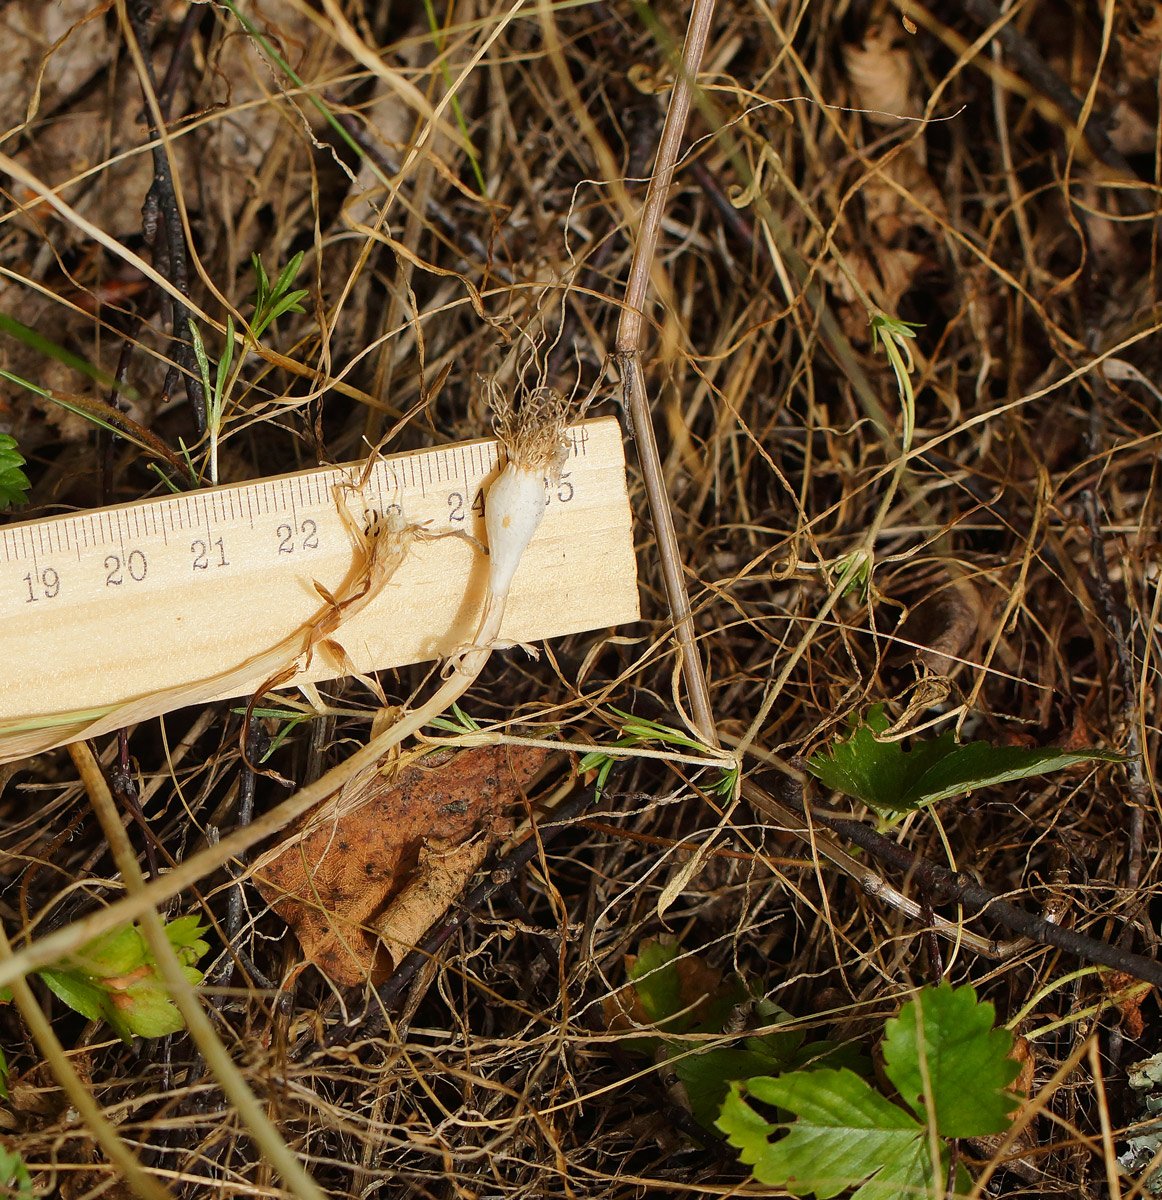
(100, 607)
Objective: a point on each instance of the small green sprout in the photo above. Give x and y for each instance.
(115, 978)
(637, 731)
(270, 302)
(459, 722)
(896, 337)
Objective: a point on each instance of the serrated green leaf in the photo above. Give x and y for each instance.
(13, 481)
(78, 993)
(891, 780)
(682, 994)
(846, 1135)
(115, 953)
(115, 978)
(948, 1036)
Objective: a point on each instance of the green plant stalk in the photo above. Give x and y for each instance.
(438, 39)
(42, 345)
(245, 1102)
(285, 67)
(81, 1098)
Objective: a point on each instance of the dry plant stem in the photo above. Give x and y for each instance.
(947, 887)
(629, 335)
(82, 1099)
(872, 885)
(246, 1104)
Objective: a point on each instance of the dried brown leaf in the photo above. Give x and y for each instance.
(335, 877)
(881, 77)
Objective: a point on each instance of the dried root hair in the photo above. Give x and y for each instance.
(531, 425)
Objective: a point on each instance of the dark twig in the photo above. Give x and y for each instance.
(256, 743)
(162, 201)
(124, 787)
(1113, 612)
(948, 887)
(374, 1017)
(1033, 68)
(173, 72)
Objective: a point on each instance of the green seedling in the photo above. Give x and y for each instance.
(270, 303)
(892, 781)
(115, 978)
(637, 731)
(952, 1071)
(896, 337)
(687, 1002)
(458, 722)
(294, 717)
(13, 481)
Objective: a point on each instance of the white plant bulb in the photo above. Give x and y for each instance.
(514, 508)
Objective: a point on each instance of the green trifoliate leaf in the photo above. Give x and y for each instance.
(846, 1135)
(891, 780)
(946, 1059)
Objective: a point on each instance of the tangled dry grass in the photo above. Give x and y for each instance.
(455, 178)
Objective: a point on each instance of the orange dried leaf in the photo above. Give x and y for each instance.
(334, 878)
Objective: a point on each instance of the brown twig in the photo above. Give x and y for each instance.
(636, 398)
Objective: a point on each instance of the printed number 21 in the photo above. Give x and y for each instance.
(201, 552)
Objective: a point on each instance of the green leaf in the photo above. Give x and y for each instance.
(681, 994)
(202, 357)
(891, 780)
(43, 345)
(14, 1177)
(13, 481)
(224, 362)
(287, 275)
(846, 1135)
(115, 978)
(262, 284)
(80, 994)
(947, 1036)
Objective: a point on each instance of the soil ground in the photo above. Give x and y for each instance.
(463, 180)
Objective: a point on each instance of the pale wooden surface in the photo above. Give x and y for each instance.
(212, 578)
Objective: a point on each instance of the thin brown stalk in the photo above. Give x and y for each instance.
(637, 403)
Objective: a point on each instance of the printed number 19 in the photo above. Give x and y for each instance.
(49, 585)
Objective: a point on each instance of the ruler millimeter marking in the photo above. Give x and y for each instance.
(104, 606)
